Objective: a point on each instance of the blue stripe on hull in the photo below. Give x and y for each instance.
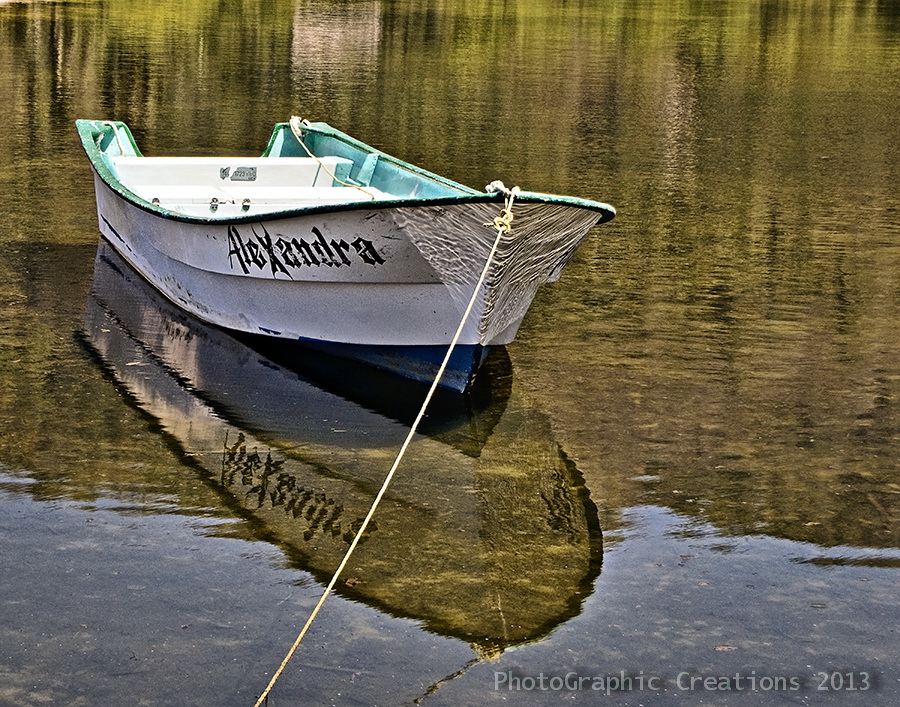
(420, 363)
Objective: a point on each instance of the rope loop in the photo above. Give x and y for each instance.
(115, 132)
(503, 221)
(298, 124)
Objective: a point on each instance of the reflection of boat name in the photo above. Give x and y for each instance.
(267, 482)
(260, 251)
(562, 515)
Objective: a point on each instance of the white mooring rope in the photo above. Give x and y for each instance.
(297, 124)
(503, 224)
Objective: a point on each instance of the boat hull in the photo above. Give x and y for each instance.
(383, 283)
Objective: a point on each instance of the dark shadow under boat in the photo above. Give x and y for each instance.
(487, 533)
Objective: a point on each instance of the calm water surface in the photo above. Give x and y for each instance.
(684, 468)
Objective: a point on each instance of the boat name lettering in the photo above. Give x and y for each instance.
(280, 254)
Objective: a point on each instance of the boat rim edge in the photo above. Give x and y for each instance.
(88, 133)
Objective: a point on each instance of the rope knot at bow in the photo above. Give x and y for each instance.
(503, 221)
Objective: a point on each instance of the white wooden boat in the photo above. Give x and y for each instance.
(330, 242)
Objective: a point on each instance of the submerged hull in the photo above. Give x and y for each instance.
(385, 281)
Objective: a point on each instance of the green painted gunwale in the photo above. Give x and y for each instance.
(97, 136)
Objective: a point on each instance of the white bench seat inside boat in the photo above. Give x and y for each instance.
(256, 184)
(136, 172)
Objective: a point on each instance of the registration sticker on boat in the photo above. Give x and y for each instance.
(240, 174)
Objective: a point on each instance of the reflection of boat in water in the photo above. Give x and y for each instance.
(487, 534)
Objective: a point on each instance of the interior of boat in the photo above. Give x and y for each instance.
(205, 186)
(304, 164)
